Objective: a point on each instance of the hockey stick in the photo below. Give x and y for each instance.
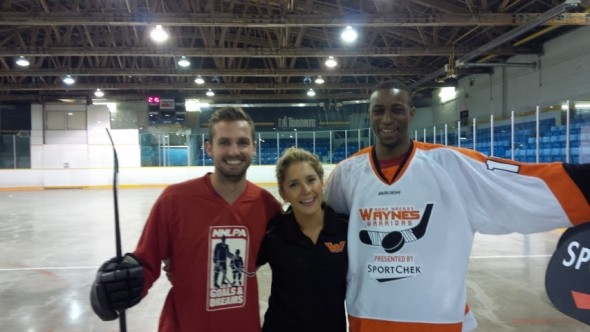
(122, 316)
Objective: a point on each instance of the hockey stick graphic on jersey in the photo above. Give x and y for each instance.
(122, 316)
(246, 273)
(394, 241)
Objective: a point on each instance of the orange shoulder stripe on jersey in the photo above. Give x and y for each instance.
(368, 150)
(467, 152)
(374, 325)
(362, 151)
(563, 187)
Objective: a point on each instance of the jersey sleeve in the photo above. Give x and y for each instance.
(333, 192)
(503, 196)
(153, 244)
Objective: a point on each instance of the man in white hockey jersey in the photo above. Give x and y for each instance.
(414, 208)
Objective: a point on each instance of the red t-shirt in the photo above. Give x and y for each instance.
(201, 233)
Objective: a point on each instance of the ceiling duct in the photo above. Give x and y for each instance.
(510, 35)
(497, 64)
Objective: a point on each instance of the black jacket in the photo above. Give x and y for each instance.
(308, 280)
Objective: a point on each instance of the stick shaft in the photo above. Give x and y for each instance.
(116, 203)
(115, 197)
(122, 315)
(122, 321)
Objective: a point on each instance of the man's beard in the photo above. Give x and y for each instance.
(233, 177)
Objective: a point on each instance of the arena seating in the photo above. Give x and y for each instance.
(551, 147)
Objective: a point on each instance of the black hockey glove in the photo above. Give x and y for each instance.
(118, 286)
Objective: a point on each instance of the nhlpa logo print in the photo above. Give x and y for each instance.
(228, 249)
(395, 240)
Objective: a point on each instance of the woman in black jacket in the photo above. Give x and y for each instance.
(307, 252)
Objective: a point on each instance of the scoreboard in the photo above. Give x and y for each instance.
(166, 110)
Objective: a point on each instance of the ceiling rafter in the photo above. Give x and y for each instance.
(224, 52)
(290, 20)
(443, 6)
(251, 45)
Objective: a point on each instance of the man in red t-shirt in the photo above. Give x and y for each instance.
(187, 225)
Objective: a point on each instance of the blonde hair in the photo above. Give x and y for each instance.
(296, 155)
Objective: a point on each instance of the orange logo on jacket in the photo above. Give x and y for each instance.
(335, 247)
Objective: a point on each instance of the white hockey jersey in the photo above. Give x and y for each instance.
(410, 239)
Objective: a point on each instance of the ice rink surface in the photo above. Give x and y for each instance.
(52, 242)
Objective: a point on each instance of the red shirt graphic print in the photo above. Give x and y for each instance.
(228, 248)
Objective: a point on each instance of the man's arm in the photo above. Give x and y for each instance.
(153, 245)
(334, 195)
(503, 196)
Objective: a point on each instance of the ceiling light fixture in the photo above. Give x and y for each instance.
(349, 35)
(210, 93)
(192, 105)
(447, 93)
(99, 93)
(310, 92)
(22, 61)
(158, 34)
(199, 80)
(68, 79)
(183, 62)
(319, 80)
(331, 62)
